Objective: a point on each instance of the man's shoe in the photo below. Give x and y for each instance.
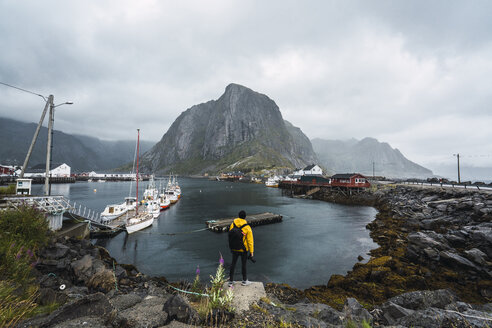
(231, 283)
(246, 283)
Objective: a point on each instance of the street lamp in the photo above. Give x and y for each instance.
(49, 146)
(458, 156)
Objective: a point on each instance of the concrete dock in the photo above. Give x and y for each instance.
(254, 220)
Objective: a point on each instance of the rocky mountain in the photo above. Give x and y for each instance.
(242, 130)
(81, 153)
(359, 155)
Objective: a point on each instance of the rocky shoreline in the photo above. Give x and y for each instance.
(432, 269)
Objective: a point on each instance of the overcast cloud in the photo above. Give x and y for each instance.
(415, 74)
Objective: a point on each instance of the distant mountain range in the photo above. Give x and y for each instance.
(81, 153)
(242, 130)
(366, 156)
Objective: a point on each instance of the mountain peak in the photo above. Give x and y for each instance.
(243, 128)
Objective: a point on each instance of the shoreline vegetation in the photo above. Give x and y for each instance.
(432, 269)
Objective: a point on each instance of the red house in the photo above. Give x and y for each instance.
(350, 180)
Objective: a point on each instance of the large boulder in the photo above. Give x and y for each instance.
(83, 268)
(103, 280)
(391, 312)
(94, 305)
(147, 313)
(125, 301)
(353, 310)
(178, 308)
(423, 299)
(437, 318)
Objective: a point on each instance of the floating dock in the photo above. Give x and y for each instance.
(254, 220)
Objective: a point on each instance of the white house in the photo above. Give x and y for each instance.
(57, 170)
(312, 169)
(61, 171)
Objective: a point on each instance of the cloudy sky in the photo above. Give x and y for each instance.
(415, 74)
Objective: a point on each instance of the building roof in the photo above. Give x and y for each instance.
(345, 175)
(40, 168)
(309, 167)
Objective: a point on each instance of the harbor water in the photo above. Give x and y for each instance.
(315, 240)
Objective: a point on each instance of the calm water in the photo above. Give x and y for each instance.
(315, 240)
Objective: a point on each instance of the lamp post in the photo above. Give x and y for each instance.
(49, 145)
(458, 156)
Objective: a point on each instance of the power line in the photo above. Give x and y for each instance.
(21, 89)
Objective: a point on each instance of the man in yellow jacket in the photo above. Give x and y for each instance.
(241, 243)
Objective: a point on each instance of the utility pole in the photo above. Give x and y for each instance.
(34, 138)
(48, 146)
(373, 170)
(458, 156)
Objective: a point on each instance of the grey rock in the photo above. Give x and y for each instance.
(432, 254)
(48, 296)
(178, 308)
(392, 312)
(76, 292)
(423, 299)
(120, 272)
(302, 314)
(442, 207)
(83, 268)
(88, 306)
(459, 306)
(457, 261)
(147, 313)
(177, 324)
(428, 318)
(86, 322)
(437, 318)
(430, 198)
(476, 256)
(125, 301)
(429, 239)
(331, 316)
(57, 251)
(354, 311)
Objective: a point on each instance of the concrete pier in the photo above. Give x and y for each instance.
(254, 220)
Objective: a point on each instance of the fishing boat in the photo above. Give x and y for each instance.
(177, 188)
(151, 192)
(170, 191)
(140, 220)
(164, 202)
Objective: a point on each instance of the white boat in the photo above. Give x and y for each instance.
(153, 207)
(144, 219)
(111, 212)
(130, 203)
(164, 202)
(172, 193)
(171, 196)
(272, 182)
(139, 222)
(151, 192)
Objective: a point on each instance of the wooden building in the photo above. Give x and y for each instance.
(350, 180)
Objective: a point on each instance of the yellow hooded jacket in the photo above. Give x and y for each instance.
(247, 235)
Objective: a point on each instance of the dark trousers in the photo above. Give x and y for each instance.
(244, 258)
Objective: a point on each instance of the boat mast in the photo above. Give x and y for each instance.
(138, 142)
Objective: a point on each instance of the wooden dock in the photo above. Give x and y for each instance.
(254, 220)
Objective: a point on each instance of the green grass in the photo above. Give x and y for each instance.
(22, 233)
(9, 190)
